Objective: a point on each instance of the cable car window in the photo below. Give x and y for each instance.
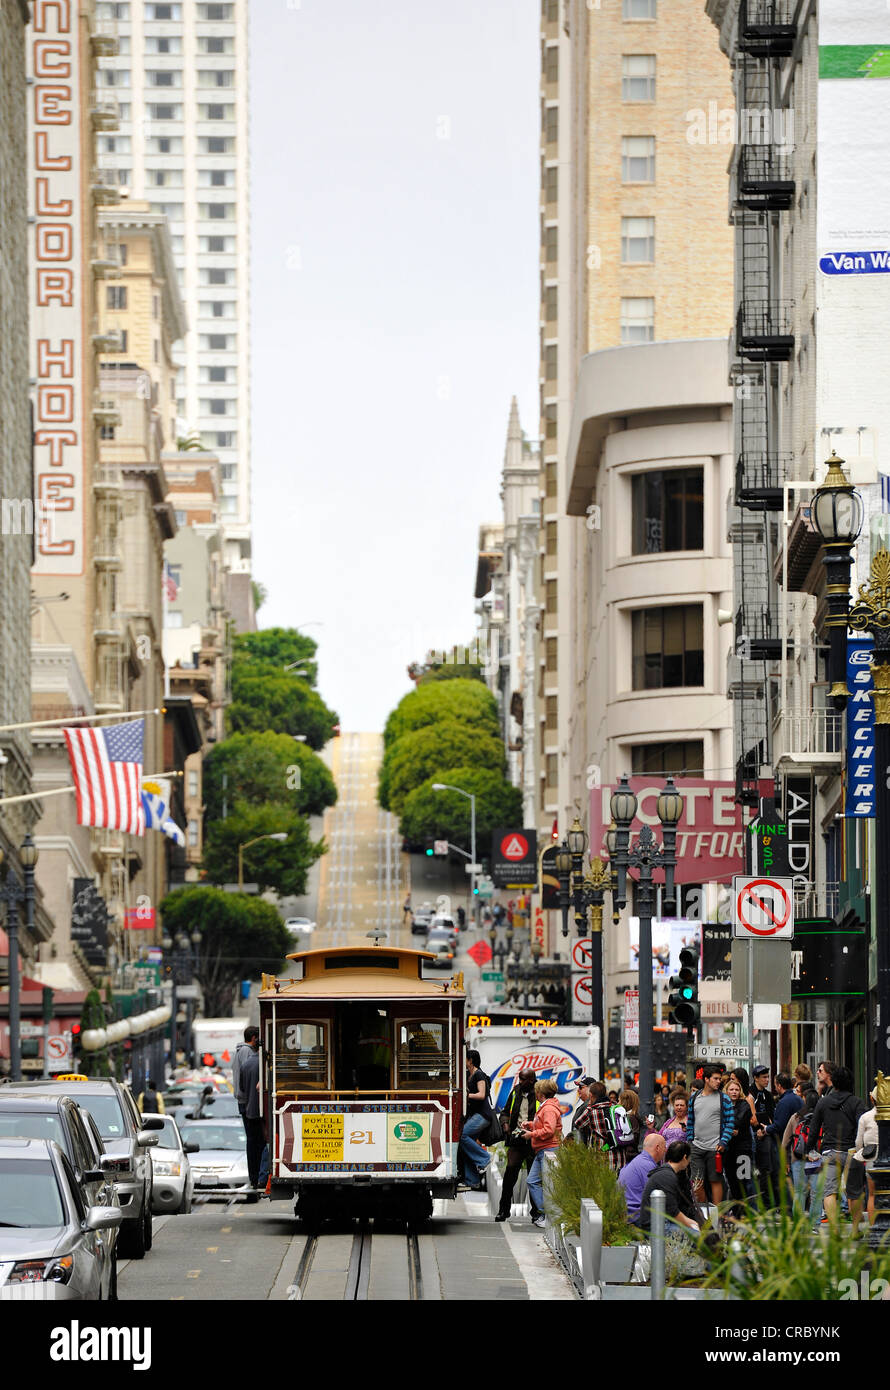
(301, 1056)
(423, 1054)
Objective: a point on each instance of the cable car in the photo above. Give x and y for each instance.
(362, 1080)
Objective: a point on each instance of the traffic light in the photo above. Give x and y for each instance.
(430, 851)
(683, 997)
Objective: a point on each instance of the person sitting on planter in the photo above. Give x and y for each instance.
(633, 1179)
(545, 1133)
(678, 1206)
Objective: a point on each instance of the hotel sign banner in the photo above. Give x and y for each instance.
(860, 729)
(710, 834)
(58, 313)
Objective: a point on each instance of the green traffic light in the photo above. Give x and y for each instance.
(430, 852)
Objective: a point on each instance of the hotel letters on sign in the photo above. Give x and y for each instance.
(57, 310)
(710, 834)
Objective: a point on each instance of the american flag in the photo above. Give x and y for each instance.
(107, 769)
(171, 584)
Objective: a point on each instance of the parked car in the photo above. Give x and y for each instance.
(60, 1119)
(441, 943)
(173, 1182)
(127, 1137)
(300, 926)
(48, 1235)
(220, 1170)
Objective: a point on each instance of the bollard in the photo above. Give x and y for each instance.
(591, 1247)
(493, 1186)
(656, 1269)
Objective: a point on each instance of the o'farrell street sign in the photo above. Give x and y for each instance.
(721, 1052)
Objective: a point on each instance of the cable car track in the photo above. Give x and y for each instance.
(358, 1268)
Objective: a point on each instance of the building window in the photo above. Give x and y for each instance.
(637, 240)
(113, 9)
(106, 432)
(551, 303)
(550, 362)
(637, 320)
(550, 654)
(551, 244)
(551, 183)
(217, 342)
(639, 9)
(638, 77)
(668, 510)
(552, 765)
(215, 112)
(664, 759)
(216, 144)
(668, 647)
(216, 45)
(551, 723)
(638, 159)
(551, 124)
(193, 782)
(551, 63)
(123, 252)
(164, 78)
(215, 244)
(228, 471)
(217, 373)
(173, 620)
(216, 276)
(165, 113)
(116, 296)
(215, 12)
(550, 597)
(193, 833)
(163, 12)
(551, 538)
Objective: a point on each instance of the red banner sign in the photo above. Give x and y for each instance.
(710, 833)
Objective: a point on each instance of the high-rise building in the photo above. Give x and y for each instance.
(809, 197)
(636, 301)
(180, 80)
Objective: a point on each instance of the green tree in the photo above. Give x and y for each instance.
(265, 698)
(465, 700)
(451, 672)
(260, 594)
(266, 767)
(424, 753)
(98, 1062)
(278, 646)
(241, 936)
(446, 815)
(282, 865)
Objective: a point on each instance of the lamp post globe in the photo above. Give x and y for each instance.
(836, 509)
(670, 804)
(577, 838)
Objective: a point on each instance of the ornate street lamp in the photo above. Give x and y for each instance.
(836, 511)
(837, 520)
(584, 893)
(645, 856)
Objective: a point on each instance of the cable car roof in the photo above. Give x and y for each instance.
(359, 972)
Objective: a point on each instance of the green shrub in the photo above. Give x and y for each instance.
(577, 1172)
(773, 1255)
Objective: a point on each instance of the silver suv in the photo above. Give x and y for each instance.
(127, 1137)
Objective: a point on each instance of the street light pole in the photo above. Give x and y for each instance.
(11, 893)
(645, 856)
(275, 835)
(471, 797)
(585, 893)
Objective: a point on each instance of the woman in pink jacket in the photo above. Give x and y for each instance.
(545, 1132)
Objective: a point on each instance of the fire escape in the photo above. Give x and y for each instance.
(763, 189)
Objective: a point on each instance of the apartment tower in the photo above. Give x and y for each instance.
(181, 82)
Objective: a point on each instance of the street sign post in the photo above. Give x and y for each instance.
(631, 1019)
(762, 910)
(720, 1052)
(582, 998)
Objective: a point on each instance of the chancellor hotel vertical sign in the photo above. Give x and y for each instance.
(57, 308)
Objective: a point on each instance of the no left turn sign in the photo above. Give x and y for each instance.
(584, 990)
(582, 953)
(763, 908)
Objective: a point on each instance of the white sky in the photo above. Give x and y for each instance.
(395, 312)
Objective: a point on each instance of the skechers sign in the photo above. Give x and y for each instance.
(860, 729)
(855, 263)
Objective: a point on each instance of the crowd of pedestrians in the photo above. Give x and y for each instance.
(730, 1138)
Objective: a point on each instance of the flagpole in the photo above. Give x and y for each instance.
(77, 719)
(58, 791)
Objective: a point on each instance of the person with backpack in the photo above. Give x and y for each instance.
(795, 1143)
(630, 1103)
(605, 1125)
(708, 1133)
(837, 1114)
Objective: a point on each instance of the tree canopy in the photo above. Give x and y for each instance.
(264, 768)
(468, 701)
(273, 675)
(241, 936)
(446, 815)
(282, 865)
(423, 753)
